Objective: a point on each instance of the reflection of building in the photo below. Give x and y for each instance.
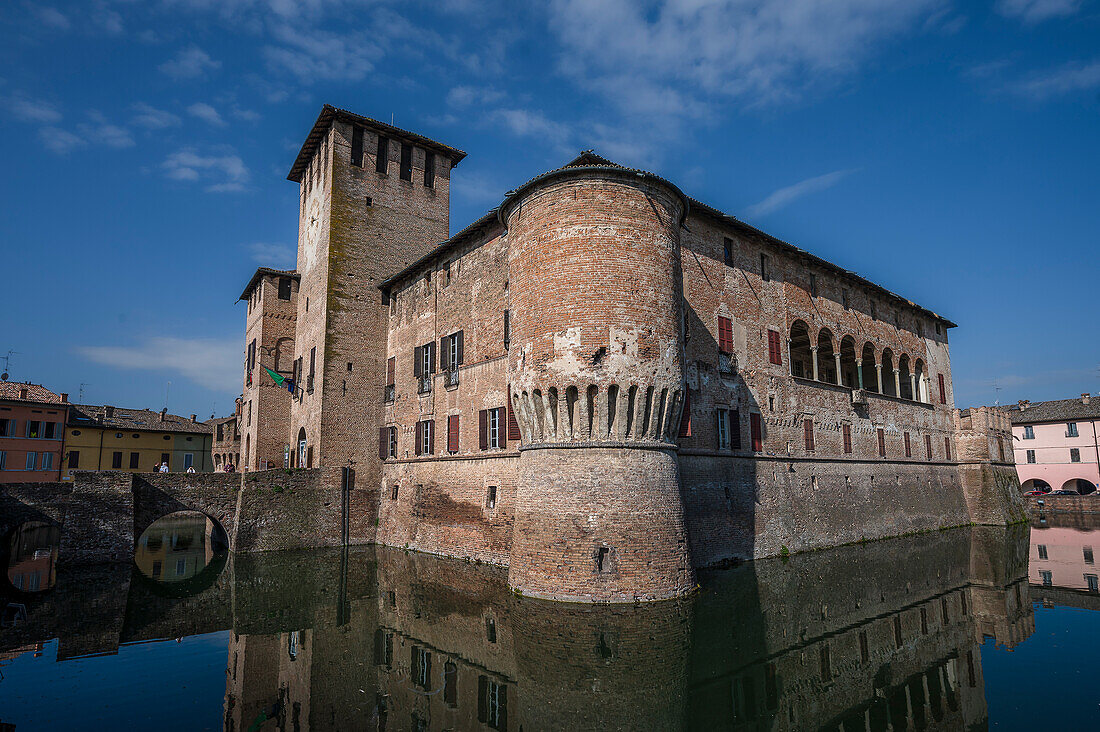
(1057, 444)
(134, 441)
(1064, 557)
(33, 556)
(32, 423)
(176, 547)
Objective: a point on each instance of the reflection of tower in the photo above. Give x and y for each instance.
(999, 591)
(597, 382)
(594, 667)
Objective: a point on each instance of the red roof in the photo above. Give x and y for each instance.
(35, 392)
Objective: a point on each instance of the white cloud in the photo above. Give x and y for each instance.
(1035, 11)
(189, 63)
(51, 18)
(206, 113)
(60, 141)
(465, 96)
(1072, 77)
(151, 118)
(33, 110)
(312, 54)
(784, 196)
(100, 131)
(223, 173)
(214, 364)
(666, 57)
(277, 256)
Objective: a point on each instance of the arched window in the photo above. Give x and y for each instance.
(301, 447)
(801, 360)
(826, 357)
(922, 381)
(888, 385)
(870, 377)
(904, 380)
(848, 374)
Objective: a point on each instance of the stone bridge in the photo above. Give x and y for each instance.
(103, 514)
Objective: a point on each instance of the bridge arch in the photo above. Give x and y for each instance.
(163, 494)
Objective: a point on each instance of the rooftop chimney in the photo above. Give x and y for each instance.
(64, 398)
(193, 417)
(22, 392)
(1024, 403)
(1085, 398)
(163, 412)
(108, 412)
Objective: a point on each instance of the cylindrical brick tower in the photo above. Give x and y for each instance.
(596, 369)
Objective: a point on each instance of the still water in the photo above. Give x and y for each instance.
(964, 629)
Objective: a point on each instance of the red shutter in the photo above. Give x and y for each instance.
(685, 419)
(725, 335)
(383, 443)
(513, 425)
(808, 429)
(775, 355)
(417, 360)
(460, 348)
(908, 449)
(452, 433)
(847, 438)
(755, 432)
(881, 442)
(502, 433)
(391, 371)
(943, 390)
(483, 429)
(430, 426)
(928, 445)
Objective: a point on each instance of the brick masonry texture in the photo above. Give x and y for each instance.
(613, 319)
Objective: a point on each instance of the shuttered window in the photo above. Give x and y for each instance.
(755, 431)
(513, 424)
(451, 351)
(483, 429)
(452, 433)
(775, 354)
(908, 448)
(725, 335)
(391, 370)
(847, 430)
(881, 442)
(425, 437)
(383, 442)
(382, 155)
(735, 429)
(722, 427)
(357, 147)
(928, 446)
(943, 390)
(808, 433)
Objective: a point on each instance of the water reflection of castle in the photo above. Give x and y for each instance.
(862, 637)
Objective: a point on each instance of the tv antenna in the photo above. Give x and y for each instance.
(996, 393)
(7, 365)
(81, 397)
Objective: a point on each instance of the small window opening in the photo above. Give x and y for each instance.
(406, 162)
(727, 251)
(765, 273)
(603, 560)
(491, 498)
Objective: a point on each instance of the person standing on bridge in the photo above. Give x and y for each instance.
(163, 467)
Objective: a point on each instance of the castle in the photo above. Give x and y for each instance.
(602, 383)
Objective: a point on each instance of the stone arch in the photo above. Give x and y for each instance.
(867, 367)
(181, 553)
(905, 381)
(889, 386)
(1036, 484)
(161, 495)
(922, 381)
(591, 418)
(300, 446)
(826, 357)
(572, 411)
(799, 352)
(552, 412)
(849, 376)
(1079, 485)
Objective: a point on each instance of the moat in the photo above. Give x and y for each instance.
(961, 629)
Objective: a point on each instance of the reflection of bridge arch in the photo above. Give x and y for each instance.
(153, 502)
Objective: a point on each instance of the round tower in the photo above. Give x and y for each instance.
(596, 370)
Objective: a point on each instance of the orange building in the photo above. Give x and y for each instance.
(32, 428)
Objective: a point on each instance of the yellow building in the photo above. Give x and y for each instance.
(133, 440)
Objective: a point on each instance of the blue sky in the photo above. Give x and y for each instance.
(947, 150)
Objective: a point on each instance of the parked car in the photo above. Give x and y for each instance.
(1035, 493)
(1064, 493)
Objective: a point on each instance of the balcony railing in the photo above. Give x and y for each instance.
(727, 364)
(450, 378)
(390, 394)
(425, 385)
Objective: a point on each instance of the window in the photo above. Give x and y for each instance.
(425, 437)
(34, 429)
(116, 461)
(847, 430)
(46, 461)
(908, 447)
(490, 434)
(50, 430)
(1029, 432)
(394, 491)
(507, 330)
(725, 335)
(1071, 429)
(452, 351)
(1091, 581)
(391, 371)
(450, 684)
(491, 497)
(765, 274)
(452, 433)
(723, 429)
(1047, 576)
(74, 459)
(881, 442)
(808, 433)
(406, 162)
(946, 448)
(3, 460)
(424, 359)
(727, 251)
(492, 703)
(513, 425)
(943, 389)
(134, 460)
(252, 356)
(735, 429)
(813, 285)
(188, 460)
(429, 169)
(846, 300)
(284, 288)
(775, 353)
(1001, 448)
(928, 446)
(422, 667)
(874, 310)
(1074, 455)
(312, 372)
(382, 155)
(1086, 552)
(755, 432)
(357, 147)
(7, 427)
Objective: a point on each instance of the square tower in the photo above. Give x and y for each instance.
(373, 200)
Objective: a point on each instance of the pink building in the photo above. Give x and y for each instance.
(1057, 444)
(1064, 557)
